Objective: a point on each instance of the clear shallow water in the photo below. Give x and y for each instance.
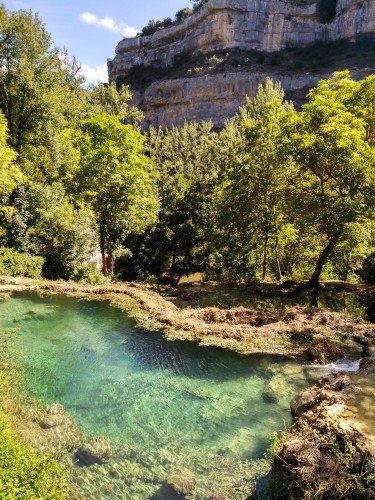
(164, 405)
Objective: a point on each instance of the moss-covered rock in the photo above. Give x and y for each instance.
(97, 450)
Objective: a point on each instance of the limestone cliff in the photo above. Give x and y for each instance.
(204, 89)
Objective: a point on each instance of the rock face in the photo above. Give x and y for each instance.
(245, 25)
(263, 25)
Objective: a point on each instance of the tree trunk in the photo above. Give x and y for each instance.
(109, 264)
(277, 260)
(265, 258)
(327, 251)
(104, 259)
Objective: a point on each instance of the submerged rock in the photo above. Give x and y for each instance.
(97, 450)
(269, 398)
(56, 409)
(181, 481)
(55, 417)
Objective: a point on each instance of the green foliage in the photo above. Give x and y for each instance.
(187, 161)
(333, 164)
(88, 274)
(24, 473)
(108, 99)
(116, 180)
(197, 4)
(13, 263)
(46, 223)
(154, 26)
(249, 201)
(183, 14)
(39, 91)
(367, 273)
(10, 174)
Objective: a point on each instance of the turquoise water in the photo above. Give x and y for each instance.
(164, 405)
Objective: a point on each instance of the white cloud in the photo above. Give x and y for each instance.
(95, 75)
(109, 24)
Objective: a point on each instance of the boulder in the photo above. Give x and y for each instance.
(98, 450)
(367, 365)
(181, 481)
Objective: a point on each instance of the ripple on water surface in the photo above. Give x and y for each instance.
(164, 405)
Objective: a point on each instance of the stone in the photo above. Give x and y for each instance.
(367, 365)
(56, 409)
(181, 481)
(323, 351)
(304, 401)
(97, 450)
(55, 417)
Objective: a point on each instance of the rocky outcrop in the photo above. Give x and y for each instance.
(262, 25)
(215, 97)
(96, 450)
(171, 84)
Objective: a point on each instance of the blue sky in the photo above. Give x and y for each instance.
(91, 29)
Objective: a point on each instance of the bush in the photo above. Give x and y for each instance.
(87, 274)
(183, 14)
(367, 273)
(25, 473)
(13, 263)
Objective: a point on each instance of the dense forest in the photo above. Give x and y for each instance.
(278, 194)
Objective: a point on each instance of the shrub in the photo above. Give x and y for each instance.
(183, 14)
(88, 274)
(367, 273)
(25, 473)
(13, 263)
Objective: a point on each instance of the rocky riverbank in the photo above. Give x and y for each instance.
(323, 455)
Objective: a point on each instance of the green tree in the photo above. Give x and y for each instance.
(46, 223)
(10, 174)
(116, 180)
(40, 91)
(108, 99)
(188, 163)
(249, 202)
(333, 177)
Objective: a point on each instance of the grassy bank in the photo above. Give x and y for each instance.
(24, 473)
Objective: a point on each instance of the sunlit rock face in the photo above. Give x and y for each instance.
(214, 97)
(261, 25)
